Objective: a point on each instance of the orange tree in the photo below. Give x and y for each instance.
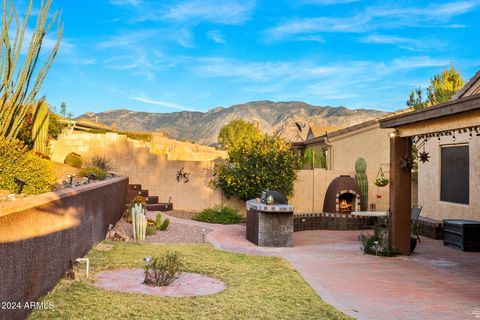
(269, 163)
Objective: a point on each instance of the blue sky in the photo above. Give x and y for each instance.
(166, 56)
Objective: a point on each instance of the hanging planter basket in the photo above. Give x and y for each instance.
(381, 181)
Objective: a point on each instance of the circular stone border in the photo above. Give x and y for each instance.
(131, 281)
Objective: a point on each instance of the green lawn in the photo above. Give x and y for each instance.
(258, 288)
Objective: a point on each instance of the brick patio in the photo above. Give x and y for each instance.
(436, 282)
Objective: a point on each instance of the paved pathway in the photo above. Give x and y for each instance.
(436, 282)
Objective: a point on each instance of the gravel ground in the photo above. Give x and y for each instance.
(176, 233)
(182, 214)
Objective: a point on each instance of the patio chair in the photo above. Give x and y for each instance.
(414, 215)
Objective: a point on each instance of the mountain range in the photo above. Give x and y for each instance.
(203, 127)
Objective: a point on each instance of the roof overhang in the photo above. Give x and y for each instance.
(446, 109)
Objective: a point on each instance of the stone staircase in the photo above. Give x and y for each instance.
(134, 190)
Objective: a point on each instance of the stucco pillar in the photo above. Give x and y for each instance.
(400, 194)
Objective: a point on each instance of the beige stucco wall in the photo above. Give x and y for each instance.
(154, 171)
(429, 181)
(180, 150)
(370, 143)
(311, 186)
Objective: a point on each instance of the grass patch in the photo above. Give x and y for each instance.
(258, 288)
(220, 215)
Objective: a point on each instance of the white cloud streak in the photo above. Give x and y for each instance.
(162, 104)
(376, 18)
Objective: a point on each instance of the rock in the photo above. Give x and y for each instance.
(120, 236)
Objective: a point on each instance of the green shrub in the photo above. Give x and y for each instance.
(151, 230)
(158, 220)
(165, 225)
(220, 215)
(374, 244)
(74, 159)
(17, 161)
(100, 162)
(270, 164)
(98, 172)
(163, 269)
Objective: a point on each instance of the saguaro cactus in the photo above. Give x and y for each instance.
(139, 222)
(362, 181)
(41, 121)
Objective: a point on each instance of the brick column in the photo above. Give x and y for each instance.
(400, 194)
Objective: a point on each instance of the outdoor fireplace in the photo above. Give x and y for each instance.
(342, 196)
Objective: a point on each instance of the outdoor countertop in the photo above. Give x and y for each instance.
(253, 204)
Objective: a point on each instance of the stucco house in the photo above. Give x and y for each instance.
(449, 175)
(342, 148)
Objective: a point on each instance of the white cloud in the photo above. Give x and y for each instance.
(184, 37)
(228, 12)
(327, 2)
(162, 103)
(126, 2)
(306, 70)
(376, 18)
(421, 44)
(216, 36)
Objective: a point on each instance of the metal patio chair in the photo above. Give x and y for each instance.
(414, 215)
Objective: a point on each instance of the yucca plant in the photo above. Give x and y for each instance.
(101, 162)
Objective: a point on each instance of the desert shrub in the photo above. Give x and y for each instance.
(375, 243)
(151, 230)
(220, 215)
(74, 159)
(17, 161)
(269, 164)
(163, 269)
(99, 173)
(100, 162)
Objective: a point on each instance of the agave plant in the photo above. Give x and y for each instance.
(101, 162)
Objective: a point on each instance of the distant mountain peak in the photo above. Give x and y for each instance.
(203, 127)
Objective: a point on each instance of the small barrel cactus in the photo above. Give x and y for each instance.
(362, 181)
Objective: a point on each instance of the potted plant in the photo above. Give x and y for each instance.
(381, 181)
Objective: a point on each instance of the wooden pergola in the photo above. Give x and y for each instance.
(456, 116)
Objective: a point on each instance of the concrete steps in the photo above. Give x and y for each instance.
(134, 190)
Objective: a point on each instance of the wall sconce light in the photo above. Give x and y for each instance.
(393, 134)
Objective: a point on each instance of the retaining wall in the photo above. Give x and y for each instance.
(40, 235)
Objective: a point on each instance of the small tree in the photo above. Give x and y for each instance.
(20, 79)
(63, 109)
(444, 85)
(238, 134)
(415, 100)
(441, 89)
(267, 164)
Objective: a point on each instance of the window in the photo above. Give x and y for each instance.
(455, 174)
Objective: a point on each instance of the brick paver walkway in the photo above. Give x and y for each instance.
(131, 281)
(436, 282)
